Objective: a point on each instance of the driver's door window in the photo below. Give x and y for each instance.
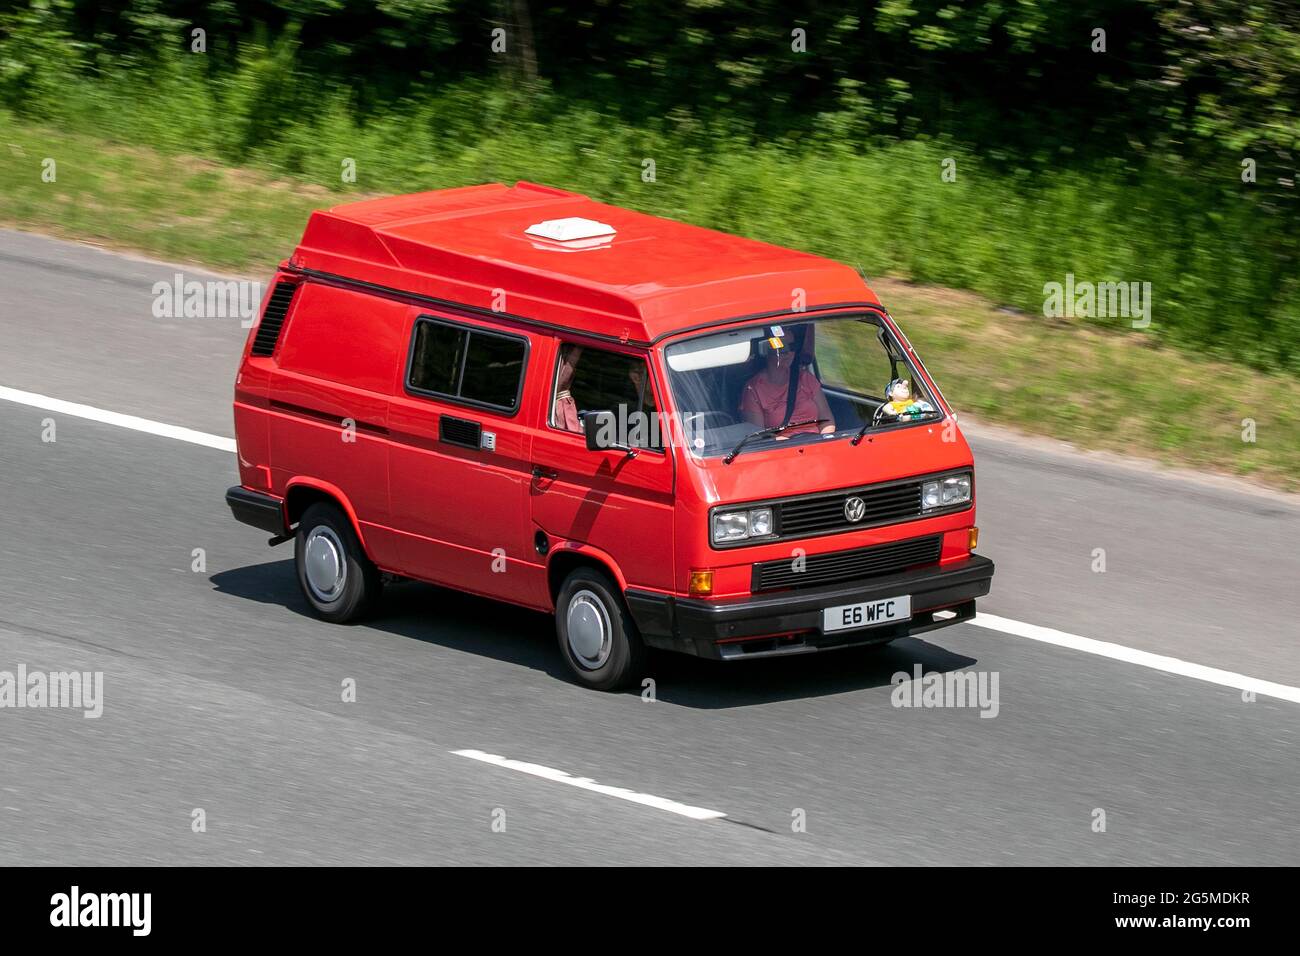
(591, 379)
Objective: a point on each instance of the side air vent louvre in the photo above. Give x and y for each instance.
(459, 431)
(268, 330)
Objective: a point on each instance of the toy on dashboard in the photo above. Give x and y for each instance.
(901, 404)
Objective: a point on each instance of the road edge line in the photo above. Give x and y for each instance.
(133, 422)
(1033, 632)
(1131, 655)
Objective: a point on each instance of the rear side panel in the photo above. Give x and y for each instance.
(253, 383)
(326, 404)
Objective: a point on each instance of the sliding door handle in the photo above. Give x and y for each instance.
(544, 473)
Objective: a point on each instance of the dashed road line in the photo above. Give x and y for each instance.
(584, 783)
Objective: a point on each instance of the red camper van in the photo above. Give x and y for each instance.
(666, 436)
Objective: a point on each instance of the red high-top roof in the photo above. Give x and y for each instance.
(651, 278)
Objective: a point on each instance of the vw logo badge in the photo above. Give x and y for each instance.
(855, 508)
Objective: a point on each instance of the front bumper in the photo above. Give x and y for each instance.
(790, 622)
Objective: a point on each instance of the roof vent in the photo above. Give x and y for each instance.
(570, 230)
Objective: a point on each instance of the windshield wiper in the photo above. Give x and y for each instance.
(875, 422)
(768, 433)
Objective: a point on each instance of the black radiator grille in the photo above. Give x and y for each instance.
(821, 514)
(838, 566)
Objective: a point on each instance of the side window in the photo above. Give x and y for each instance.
(588, 380)
(494, 366)
(849, 361)
(470, 365)
(435, 365)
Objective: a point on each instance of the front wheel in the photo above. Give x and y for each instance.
(338, 580)
(597, 636)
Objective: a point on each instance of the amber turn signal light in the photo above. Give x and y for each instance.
(701, 583)
(974, 538)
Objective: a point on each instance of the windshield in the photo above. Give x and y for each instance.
(806, 381)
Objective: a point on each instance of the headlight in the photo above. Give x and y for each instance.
(945, 492)
(739, 525)
(930, 495)
(956, 490)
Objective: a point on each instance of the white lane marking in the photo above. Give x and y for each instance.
(1033, 632)
(559, 776)
(93, 414)
(1170, 665)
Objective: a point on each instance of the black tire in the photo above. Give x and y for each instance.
(330, 532)
(615, 666)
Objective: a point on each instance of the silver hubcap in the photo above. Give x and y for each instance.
(589, 631)
(325, 564)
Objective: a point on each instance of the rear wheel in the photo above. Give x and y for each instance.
(338, 580)
(597, 637)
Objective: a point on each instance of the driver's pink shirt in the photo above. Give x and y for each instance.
(769, 400)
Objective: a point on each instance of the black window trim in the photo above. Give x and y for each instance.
(503, 410)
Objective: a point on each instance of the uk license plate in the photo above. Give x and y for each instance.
(846, 617)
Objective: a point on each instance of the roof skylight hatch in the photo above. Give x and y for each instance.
(573, 232)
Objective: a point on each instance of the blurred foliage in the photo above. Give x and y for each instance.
(1116, 165)
(1016, 79)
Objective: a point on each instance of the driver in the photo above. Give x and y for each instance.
(765, 397)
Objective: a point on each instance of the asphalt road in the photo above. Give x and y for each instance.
(221, 693)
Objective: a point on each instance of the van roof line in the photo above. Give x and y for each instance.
(651, 278)
(453, 306)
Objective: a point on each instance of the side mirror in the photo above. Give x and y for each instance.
(600, 429)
